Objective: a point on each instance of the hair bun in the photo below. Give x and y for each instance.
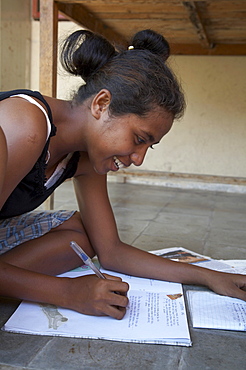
(152, 41)
(84, 52)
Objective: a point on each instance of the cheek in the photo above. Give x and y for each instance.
(116, 139)
(119, 141)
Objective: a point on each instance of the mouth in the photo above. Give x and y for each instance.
(118, 163)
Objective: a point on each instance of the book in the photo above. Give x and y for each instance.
(213, 311)
(156, 314)
(183, 255)
(207, 309)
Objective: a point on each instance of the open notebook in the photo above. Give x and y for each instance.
(156, 314)
(213, 311)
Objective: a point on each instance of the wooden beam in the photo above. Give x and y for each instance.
(218, 49)
(79, 14)
(197, 22)
(48, 57)
(48, 47)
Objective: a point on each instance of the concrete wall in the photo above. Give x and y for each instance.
(15, 43)
(211, 138)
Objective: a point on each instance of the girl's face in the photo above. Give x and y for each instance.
(119, 142)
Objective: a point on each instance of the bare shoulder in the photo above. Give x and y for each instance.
(23, 117)
(22, 121)
(25, 129)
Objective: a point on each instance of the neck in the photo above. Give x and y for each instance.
(71, 122)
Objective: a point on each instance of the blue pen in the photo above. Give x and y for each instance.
(86, 259)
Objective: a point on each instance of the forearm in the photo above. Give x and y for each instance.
(23, 284)
(133, 261)
(88, 294)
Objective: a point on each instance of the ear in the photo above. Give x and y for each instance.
(100, 103)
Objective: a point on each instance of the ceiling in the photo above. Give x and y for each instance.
(215, 27)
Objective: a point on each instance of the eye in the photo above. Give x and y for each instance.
(140, 140)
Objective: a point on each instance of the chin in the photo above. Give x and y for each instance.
(101, 171)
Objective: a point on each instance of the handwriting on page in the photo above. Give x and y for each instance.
(210, 310)
(239, 313)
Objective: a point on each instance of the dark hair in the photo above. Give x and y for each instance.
(138, 79)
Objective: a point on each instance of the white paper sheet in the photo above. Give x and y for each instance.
(213, 311)
(156, 314)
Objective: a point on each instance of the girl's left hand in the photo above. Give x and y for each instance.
(232, 285)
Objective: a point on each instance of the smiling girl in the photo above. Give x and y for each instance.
(127, 103)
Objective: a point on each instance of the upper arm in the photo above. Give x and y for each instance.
(23, 130)
(96, 211)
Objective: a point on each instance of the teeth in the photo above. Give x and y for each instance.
(118, 163)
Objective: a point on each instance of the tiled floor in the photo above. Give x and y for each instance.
(149, 217)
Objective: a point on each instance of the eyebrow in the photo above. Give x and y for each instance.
(150, 137)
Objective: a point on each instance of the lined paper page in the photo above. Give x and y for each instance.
(213, 311)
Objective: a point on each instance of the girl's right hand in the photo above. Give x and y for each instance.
(91, 295)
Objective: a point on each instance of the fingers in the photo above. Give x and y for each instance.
(123, 289)
(117, 300)
(100, 297)
(118, 306)
(238, 293)
(232, 285)
(116, 312)
(239, 287)
(234, 292)
(111, 277)
(120, 288)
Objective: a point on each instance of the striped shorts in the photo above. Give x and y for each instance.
(31, 225)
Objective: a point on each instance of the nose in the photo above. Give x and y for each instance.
(137, 158)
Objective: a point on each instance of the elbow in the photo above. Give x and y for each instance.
(106, 262)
